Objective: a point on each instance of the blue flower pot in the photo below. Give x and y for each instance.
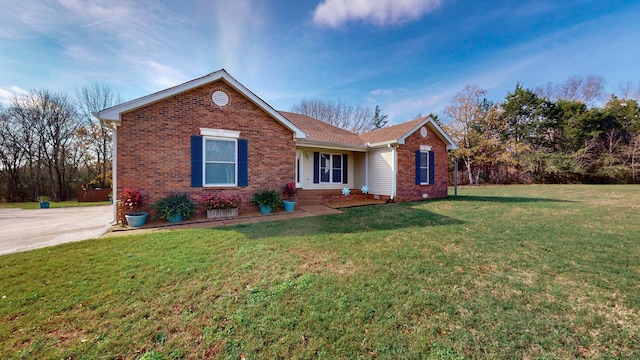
(265, 209)
(136, 219)
(289, 205)
(175, 218)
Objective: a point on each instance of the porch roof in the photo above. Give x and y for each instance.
(320, 131)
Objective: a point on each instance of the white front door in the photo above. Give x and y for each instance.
(299, 168)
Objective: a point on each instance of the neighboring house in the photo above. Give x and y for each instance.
(213, 134)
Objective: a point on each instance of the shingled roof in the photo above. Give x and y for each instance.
(391, 133)
(320, 131)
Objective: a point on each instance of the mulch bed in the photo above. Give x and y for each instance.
(341, 201)
(334, 202)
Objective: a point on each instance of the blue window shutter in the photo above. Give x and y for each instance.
(418, 167)
(432, 168)
(243, 162)
(316, 167)
(345, 168)
(196, 161)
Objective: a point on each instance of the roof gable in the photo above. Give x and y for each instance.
(391, 133)
(114, 114)
(399, 133)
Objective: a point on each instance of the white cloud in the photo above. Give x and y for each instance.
(409, 108)
(240, 29)
(382, 92)
(334, 13)
(163, 76)
(7, 95)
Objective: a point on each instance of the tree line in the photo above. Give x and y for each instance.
(557, 133)
(50, 144)
(552, 134)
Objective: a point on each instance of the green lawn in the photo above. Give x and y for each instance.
(533, 272)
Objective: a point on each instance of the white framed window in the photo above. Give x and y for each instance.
(424, 168)
(220, 161)
(425, 159)
(330, 168)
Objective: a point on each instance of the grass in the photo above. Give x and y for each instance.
(542, 272)
(60, 204)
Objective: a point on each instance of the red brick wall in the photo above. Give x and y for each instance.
(154, 144)
(407, 190)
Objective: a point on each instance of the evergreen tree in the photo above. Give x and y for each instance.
(379, 121)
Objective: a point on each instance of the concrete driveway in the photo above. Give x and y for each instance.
(22, 230)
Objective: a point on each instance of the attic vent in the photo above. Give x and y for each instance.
(423, 132)
(220, 98)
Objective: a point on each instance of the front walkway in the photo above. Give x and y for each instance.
(300, 212)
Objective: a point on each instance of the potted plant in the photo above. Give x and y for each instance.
(220, 205)
(174, 207)
(44, 201)
(289, 191)
(266, 200)
(132, 199)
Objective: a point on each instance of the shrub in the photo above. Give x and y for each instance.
(267, 197)
(175, 204)
(131, 198)
(222, 201)
(289, 190)
(43, 198)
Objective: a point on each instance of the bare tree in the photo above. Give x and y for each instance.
(465, 111)
(11, 159)
(630, 91)
(547, 92)
(54, 120)
(353, 118)
(633, 150)
(570, 88)
(592, 89)
(586, 89)
(96, 135)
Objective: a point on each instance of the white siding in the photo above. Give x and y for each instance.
(307, 165)
(359, 166)
(381, 171)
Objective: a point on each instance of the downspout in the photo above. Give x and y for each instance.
(114, 177)
(394, 171)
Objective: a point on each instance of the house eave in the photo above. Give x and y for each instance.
(330, 145)
(383, 144)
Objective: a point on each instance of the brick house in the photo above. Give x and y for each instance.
(213, 134)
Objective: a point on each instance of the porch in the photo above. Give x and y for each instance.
(335, 198)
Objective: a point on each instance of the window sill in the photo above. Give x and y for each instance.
(221, 187)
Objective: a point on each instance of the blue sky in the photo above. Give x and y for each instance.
(408, 56)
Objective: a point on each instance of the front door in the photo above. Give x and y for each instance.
(298, 168)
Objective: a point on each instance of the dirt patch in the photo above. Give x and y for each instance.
(324, 263)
